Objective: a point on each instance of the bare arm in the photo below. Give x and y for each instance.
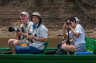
(75, 33)
(37, 38)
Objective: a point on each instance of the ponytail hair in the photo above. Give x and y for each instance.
(40, 22)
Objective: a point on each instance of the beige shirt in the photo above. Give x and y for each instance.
(26, 29)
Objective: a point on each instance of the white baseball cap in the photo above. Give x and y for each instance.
(77, 19)
(25, 13)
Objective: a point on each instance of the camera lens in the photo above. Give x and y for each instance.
(11, 29)
(68, 22)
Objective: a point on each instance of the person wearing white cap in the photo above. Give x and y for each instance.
(77, 34)
(40, 32)
(24, 29)
(39, 35)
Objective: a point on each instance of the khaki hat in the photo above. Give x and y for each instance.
(36, 14)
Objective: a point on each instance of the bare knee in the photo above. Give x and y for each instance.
(11, 41)
(16, 42)
(64, 46)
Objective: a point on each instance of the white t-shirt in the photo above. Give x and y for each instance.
(40, 32)
(77, 40)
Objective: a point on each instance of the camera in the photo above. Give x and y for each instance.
(11, 29)
(68, 22)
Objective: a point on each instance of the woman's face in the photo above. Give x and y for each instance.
(23, 18)
(35, 19)
(73, 24)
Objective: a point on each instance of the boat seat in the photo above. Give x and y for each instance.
(83, 53)
(46, 46)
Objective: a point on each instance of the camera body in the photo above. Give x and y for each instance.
(68, 22)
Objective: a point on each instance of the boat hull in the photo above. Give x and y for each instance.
(47, 58)
(43, 58)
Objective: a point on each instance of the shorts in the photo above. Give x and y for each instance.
(81, 47)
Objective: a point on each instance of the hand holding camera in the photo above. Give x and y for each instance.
(19, 33)
(25, 35)
(31, 37)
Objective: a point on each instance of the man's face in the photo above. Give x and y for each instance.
(35, 19)
(23, 18)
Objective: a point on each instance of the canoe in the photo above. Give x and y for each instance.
(50, 58)
(44, 58)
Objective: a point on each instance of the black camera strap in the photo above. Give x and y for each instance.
(68, 40)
